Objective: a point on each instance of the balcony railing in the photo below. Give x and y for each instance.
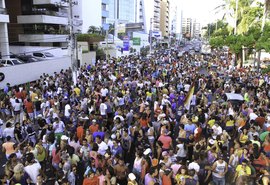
(44, 32)
(46, 12)
(3, 11)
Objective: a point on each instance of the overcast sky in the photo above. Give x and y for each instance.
(199, 9)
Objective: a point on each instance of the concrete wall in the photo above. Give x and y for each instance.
(88, 58)
(24, 73)
(58, 52)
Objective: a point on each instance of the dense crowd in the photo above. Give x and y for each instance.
(162, 120)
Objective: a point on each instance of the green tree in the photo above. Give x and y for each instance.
(92, 29)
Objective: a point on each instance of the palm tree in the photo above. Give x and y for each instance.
(92, 29)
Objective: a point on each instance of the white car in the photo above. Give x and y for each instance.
(43, 55)
(10, 62)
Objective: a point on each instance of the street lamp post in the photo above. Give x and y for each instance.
(151, 19)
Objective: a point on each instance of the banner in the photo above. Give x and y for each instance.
(136, 41)
(126, 43)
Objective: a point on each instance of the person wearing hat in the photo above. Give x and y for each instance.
(132, 179)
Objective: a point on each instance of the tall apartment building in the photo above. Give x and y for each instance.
(42, 22)
(165, 17)
(196, 31)
(173, 17)
(4, 20)
(187, 26)
(122, 10)
(149, 13)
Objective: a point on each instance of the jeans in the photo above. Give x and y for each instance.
(218, 181)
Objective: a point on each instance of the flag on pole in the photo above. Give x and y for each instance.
(189, 96)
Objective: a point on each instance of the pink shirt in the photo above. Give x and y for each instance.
(166, 141)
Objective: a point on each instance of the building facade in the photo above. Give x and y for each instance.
(196, 31)
(42, 22)
(4, 20)
(165, 17)
(187, 26)
(149, 13)
(122, 11)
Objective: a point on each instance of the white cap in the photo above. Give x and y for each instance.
(131, 176)
(64, 137)
(147, 151)
(113, 136)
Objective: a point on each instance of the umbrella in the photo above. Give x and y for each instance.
(263, 135)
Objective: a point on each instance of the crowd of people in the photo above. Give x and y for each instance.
(162, 120)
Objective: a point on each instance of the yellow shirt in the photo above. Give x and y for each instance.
(243, 170)
(77, 91)
(33, 96)
(230, 123)
(243, 139)
(211, 122)
(148, 94)
(180, 177)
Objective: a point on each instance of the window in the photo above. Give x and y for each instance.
(103, 6)
(15, 62)
(48, 55)
(3, 62)
(9, 62)
(38, 54)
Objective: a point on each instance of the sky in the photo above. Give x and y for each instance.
(201, 10)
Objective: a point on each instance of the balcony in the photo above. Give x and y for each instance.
(37, 38)
(4, 18)
(42, 19)
(105, 13)
(50, 2)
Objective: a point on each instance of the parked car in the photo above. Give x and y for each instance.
(28, 58)
(10, 62)
(43, 55)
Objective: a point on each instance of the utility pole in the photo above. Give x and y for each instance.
(72, 43)
(107, 35)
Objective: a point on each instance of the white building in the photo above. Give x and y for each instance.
(4, 20)
(43, 22)
(122, 10)
(187, 26)
(196, 31)
(173, 17)
(148, 12)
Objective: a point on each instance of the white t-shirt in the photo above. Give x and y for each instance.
(58, 127)
(186, 87)
(194, 166)
(104, 92)
(33, 171)
(102, 109)
(8, 132)
(67, 109)
(102, 147)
